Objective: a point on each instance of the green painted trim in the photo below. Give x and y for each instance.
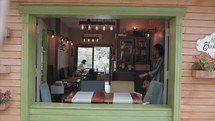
(100, 106)
(175, 67)
(24, 89)
(106, 112)
(102, 12)
(29, 50)
(178, 70)
(28, 64)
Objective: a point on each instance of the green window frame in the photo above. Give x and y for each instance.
(34, 111)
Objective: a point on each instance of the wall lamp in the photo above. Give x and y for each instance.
(88, 24)
(150, 31)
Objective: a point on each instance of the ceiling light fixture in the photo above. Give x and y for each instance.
(89, 23)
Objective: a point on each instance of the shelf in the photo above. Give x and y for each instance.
(203, 74)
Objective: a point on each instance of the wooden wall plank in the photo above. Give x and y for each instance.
(16, 33)
(13, 90)
(187, 66)
(15, 104)
(195, 120)
(187, 58)
(187, 51)
(192, 37)
(10, 55)
(198, 94)
(197, 2)
(199, 23)
(13, 12)
(13, 40)
(200, 115)
(198, 87)
(198, 30)
(10, 117)
(10, 61)
(191, 45)
(112, 2)
(11, 111)
(10, 76)
(5, 69)
(198, 101)
(200, 9)
(11, 83)
(191, 80)
(198, 108)
(11, 48)
(15, 69)
(199, 16)
(14, 19)
(15, 26)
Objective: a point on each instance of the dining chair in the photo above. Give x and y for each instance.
(45, 92)
(92, 85)
(122, 86)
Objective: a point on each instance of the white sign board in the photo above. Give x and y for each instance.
(207, 45)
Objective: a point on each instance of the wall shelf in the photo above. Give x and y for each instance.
(203, 74)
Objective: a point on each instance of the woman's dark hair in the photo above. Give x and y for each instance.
(83, 61)
(160, 49)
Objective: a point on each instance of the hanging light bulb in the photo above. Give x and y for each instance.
(148, 35)
(84, 40)
(103, 28)
(88, 40)
(97, 28)
(89, 27)
(82, 27)
(71, 43)
(52, 35)
(61, 39)
(67, 41)
(111, 28)
(92, 40)
(97, 40)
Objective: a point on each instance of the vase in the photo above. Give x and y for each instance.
(203, 74)
(4, 106)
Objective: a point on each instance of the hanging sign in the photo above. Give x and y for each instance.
(207, 45)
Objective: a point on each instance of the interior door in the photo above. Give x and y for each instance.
(41, 60)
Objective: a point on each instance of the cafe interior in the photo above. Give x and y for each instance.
(116, 51)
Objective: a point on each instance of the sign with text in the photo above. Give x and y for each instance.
(207, 45)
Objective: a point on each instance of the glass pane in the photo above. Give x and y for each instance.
(101, 58)
(87, 54)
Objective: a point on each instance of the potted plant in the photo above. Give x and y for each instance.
(203, 66)
(4, 99)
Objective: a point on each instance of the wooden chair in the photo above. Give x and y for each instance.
(122, 86)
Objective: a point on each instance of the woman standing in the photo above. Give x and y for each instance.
(156, 75)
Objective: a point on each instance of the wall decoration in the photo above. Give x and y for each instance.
(207, 45)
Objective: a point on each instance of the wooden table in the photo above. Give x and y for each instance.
(97, 97)
(109, 98)
(101, 97)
